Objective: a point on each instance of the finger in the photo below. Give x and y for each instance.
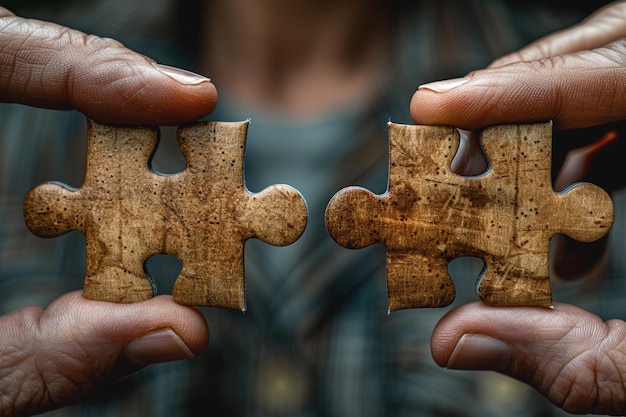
(599, 29)
(569, 355)
(573, 91)
(54, 357)
(47, 65)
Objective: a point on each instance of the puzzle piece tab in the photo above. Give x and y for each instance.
(430, 215)
(202, 215)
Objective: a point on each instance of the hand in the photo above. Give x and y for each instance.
(569, 355)
(47, 65)
(576, 79)
(54, 357)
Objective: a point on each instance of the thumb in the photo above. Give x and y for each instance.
(568, 354)
(54, 357)
(47, 65)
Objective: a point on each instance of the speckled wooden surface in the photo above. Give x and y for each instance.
(430, 215)
(202, 215)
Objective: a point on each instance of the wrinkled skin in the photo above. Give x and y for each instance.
(575, 78)
(54, 356)
(47, 65)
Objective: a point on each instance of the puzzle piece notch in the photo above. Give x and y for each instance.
(430, 215)
(202, 215)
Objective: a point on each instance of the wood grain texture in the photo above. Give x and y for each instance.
(202, 215)
(507, 216)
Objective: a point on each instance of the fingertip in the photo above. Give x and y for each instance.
(447, 102)
(76, 344)
(181, 332)
(176, 96)
(147, 332)
(194, 330)
(156, 347)
(125, 322)
(107, 81)
(187, 322)
(424, 107)
(478, 352)
(55, 67)
(447, 333)
(151, 95)
(441, 348)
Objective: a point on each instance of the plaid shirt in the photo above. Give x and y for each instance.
(316, 339)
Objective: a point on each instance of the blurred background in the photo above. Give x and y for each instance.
(319, 81)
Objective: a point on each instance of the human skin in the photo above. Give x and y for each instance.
(47, 65)
(43, 351)
(54, 356)
(577, 79)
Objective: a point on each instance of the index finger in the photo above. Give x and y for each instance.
(574, 91)
(47, 65)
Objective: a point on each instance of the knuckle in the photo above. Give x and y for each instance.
(4, 12)
(101, 42)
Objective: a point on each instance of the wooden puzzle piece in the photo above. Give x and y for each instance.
(430, 215)
(202, 215)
